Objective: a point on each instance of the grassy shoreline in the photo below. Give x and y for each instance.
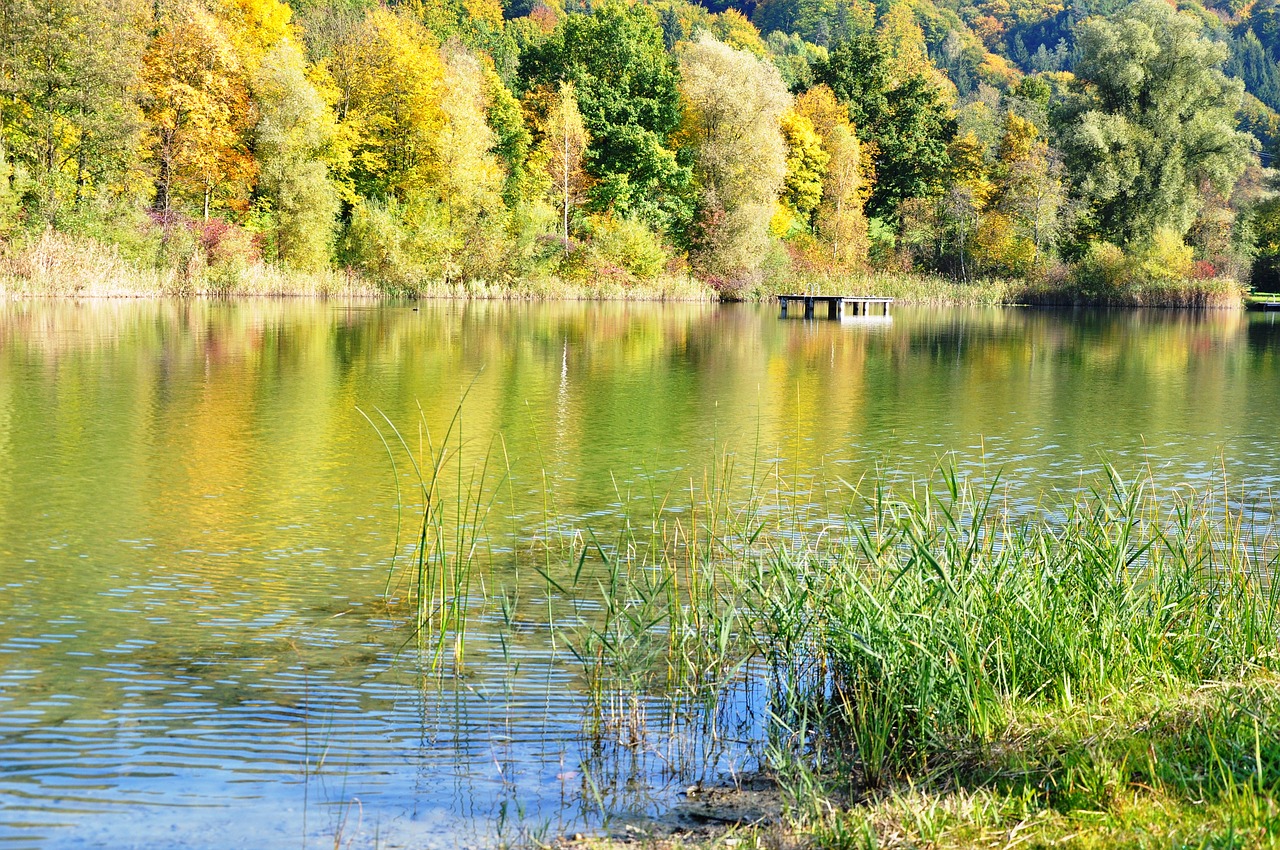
(60, 267)
(949, 673)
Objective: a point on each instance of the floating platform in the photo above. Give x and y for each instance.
(838, 306)
(1264, 306)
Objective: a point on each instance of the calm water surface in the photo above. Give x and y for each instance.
(196, 525)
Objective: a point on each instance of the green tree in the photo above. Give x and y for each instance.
(817, 21)
(66, 110)
(512, 140)
(627, 88)
(1264, 222)
(1153, 117)
(734, 103)
(296, 140)
(905, 118)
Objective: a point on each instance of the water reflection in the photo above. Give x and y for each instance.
(196, 523)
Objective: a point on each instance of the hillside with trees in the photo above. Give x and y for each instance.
(1085, 147)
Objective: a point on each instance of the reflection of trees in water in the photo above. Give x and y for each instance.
(253, 401)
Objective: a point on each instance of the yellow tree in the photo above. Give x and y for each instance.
(734, 29)
(196, 103)
(255, 27)
(387, 75)
(470, 186)
(806, 165)
(1025, 211)
(823, 110)
(733, 105)
(906, 50)
(564, 143)
(840, 219)
(969, 191)
(904, 40)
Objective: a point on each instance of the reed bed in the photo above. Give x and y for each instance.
(1218, 293)
(940, 619)
(945, 670)
(921, 663)
(58, 265)
(939, 291)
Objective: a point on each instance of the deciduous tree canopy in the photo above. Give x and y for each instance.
(1152, 119)
(605, 142)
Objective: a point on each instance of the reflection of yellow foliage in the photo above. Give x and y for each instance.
(239, 419)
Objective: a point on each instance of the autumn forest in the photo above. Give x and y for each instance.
(729, 145)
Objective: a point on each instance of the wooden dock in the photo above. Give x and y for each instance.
(838, 306)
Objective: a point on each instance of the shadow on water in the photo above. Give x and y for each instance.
(1264, 333)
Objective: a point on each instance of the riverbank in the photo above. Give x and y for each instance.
(934, 290)
(1159, 767)
(944, 673)
(60, 266)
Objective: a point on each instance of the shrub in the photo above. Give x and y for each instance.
(631, 246)
(998, 249)
(228, 251)
(395, 246)
(1102, 267)
(1204, 270)
(1165, 257)
(1105, 267)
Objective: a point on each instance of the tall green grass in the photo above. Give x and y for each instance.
(941, 616)
(1109, 640)
(921, 630)
(451, 532)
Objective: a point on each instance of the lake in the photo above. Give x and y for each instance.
(199, 504)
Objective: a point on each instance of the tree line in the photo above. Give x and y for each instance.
(464, 140)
